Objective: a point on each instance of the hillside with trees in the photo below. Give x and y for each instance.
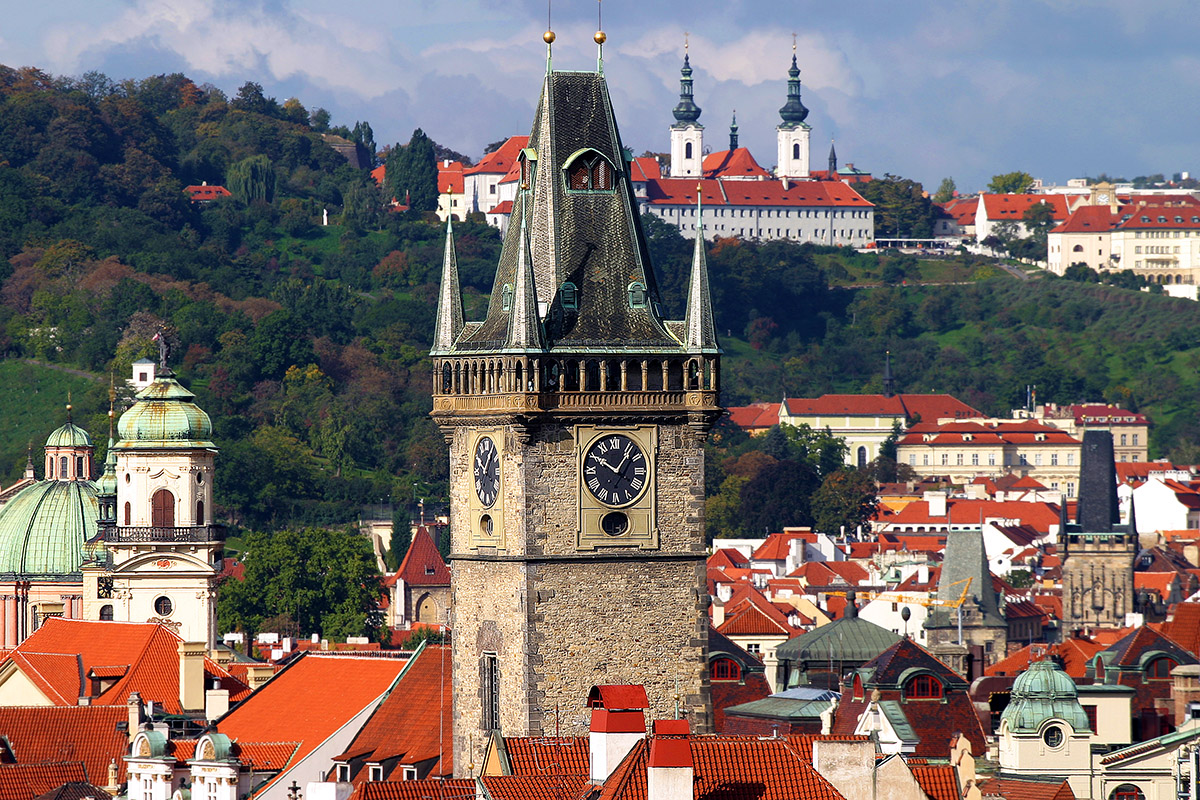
(308, 343)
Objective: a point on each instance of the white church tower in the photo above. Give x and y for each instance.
(687, 135)
(161, 552)
(793, 132)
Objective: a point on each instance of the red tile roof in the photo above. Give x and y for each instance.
(1158, 582)
(1088, 219)
(422, 564)
(1095, 413)
(1184, 627)
(682, 191)
(753, 686)
(730, 768)
(777, 546)
(756, 416)
(23, 781)
(962, 210)
(200, 194)
(927, 407)
(750, 620)
(293, 705)
(57, 654)
(456, 789)
(1157, 217)
(86, 734)
(534, 787)
(1018, 789)
(548, 755)
(501, 160)
(1037, 515)
(645, 168)
(450, 177)
(503, 207)
(414, 723)
(1012, 207)
(737, 163)
(939, 783)
(727, 557)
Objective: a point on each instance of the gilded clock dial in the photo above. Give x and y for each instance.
(615, 469)
(487, 471)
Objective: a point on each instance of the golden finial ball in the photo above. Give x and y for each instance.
(600, 37)
(68, 406)
(548, 37)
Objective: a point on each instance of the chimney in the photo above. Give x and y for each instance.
(191, 675)
(136, 714)
(937, 503)
(718, 611)
(216, 703)
(258, 674)
(618, 724)
(846, 765)
(670, 772)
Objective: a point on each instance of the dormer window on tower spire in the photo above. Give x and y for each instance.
(589, 171)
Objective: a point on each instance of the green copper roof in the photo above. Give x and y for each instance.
(1042, 693)
(164, 416)
(69, 435)
(849, 639)
(107, 482)
(43, 528)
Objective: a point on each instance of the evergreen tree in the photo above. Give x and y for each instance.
(412, 173)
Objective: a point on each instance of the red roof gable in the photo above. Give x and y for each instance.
(450, 177)
(645, 168)
(201, 193)
(423, 564)
(927, 407)
(737, 163)
(939, 783)
(728, 557)
(542, 755)
(501, 160)
(1088, 219)
(57, 654)
(962, 209)
(1157, 217)
(755, 416)
(777, 545)
(86, 734)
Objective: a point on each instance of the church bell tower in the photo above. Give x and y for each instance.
(575, 414)
(793, 133)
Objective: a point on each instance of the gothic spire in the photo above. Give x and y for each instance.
(450, 310)
(524, 322)
(733, 137)
(686, 109)
(793, 111)
(698, 325)
(832, 160)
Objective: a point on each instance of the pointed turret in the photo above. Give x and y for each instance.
(832, 160)
(524, 324)
(450, 309)
(686, 111)
(793, 111)
(733, 137)
(698, 322)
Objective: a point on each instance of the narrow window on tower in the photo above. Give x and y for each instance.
(687, 150)
(637, 295)
(796, 150)
(491, 692)
(589, 172)
(569, 295)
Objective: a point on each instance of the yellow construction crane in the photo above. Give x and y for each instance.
(919, 599)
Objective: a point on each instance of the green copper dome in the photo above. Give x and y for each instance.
(43, 528)
(164, 416)
(107, 482)
(69, 435)
(1042, 693)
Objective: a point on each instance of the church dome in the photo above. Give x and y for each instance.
(1042, 693)
(164, 416)
(43, 528)
(69, 435)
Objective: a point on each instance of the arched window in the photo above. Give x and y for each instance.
(81, 468)
(637, 295)
(858, 688)
(589, 172)
(923, 687)
(796, 150)
(1077, 248)
(726, 669)
(506, 297)
(162, 509)
(50, 467)
(199, 512)
(862, 457)
(106, 613)
(128, 515)
(687, 150)
(447, 378)
(62, 467)
(1127, 791)
(1160, 668)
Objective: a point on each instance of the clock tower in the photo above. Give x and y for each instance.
(575, 413)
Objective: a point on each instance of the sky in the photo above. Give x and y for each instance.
(926, 90)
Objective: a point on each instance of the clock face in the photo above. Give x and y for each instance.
(615, 470)
(1102, 197)
(487, 471)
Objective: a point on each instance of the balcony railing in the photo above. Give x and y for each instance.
(137, 534)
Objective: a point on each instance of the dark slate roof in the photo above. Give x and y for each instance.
(1098, 512)
(964, 560)
(849, 639)
(592, 239)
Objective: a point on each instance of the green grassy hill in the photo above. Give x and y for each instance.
(33, 397)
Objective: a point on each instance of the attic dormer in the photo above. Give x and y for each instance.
(587, 170)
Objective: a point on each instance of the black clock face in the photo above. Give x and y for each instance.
(615, 469)
(487, 471)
